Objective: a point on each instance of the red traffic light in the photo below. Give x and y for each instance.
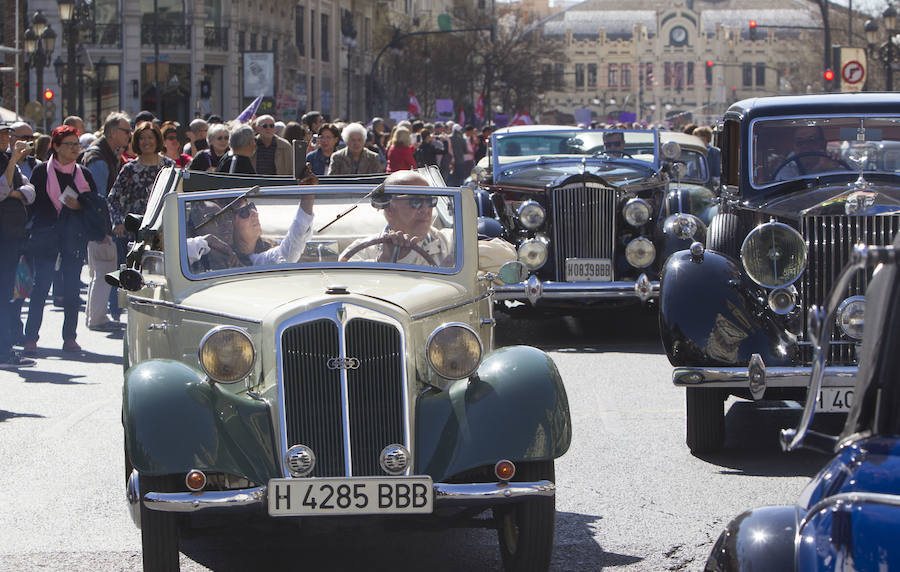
(709, 63)
(829, 75)
(752, 24)
(48, 95)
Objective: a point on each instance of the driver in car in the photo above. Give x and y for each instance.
(409, 230)
(614, 143)
(808, 155)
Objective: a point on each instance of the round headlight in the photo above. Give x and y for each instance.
(640, 252)
(851, 316)
(227, 354)
(533, 253)
(636, 212)
(454, 350)
(773, 255)
(531, 215)
(682, 226)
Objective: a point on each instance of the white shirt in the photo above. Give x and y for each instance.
(438, 243)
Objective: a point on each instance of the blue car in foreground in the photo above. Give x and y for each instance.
(848, 516)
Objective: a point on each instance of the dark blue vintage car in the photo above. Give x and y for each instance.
(805, 178)
(848, 516)
(593, 213)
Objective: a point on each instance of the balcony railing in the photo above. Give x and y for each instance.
(96, 35)
(215, 37)
(168, 35)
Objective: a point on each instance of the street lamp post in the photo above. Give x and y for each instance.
(72, 13)
(887, 52)
(40, 39)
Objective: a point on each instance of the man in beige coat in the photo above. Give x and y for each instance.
(354, 158)
(273, 155)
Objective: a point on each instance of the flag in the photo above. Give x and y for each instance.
(414, 107)
(479, 108)
(249, 111)
(521, 118)
(462, 116)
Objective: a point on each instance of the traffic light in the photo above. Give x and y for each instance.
(709, 68)
(48, 95)
(752, 27)
(734, 96)
(829, 75)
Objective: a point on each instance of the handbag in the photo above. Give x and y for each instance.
(24, 280)
(13, 218)
(43, 242)
(95, 216)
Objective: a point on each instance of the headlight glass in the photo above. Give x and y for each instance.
(640, 252)
(227, 354)
(533, 253)
(531, 215)
(773, 255)
(683, 226)
(454, 350)
(636, 212)
(851, 317)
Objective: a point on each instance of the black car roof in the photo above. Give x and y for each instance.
(819, 104)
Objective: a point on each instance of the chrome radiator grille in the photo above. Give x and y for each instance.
(314, 394)
(584, 224)
(829, 240)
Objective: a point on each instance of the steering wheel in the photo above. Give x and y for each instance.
(793, 159)
(384, 240)
(614, 154)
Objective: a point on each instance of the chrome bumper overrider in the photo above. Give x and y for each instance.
(533, 290)
(757, 377)
(445, 494)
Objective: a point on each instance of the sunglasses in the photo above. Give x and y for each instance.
(171, 137)
(221, 138)
(268, 125)
(244, 211)
(614, 143)
(23, 137)
(418, 202)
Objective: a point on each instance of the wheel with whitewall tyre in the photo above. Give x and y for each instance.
(159, 530)
(526, 529)
(705, 419)
(723, 236)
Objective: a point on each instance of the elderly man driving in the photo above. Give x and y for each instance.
(409, 230)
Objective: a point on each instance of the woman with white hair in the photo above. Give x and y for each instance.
(208, 159)
(354, 158)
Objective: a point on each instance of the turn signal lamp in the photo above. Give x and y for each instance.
(195, 480)
(505, 470)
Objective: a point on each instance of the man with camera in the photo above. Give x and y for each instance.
(21, 131)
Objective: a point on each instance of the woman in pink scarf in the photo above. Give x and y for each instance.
(57, 183)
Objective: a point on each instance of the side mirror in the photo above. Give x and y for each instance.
(671, 150)
(127, 278)
(513, 272)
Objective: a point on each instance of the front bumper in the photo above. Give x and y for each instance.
(533, 290)
(255, 499)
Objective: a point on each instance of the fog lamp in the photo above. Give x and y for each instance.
(505, 470)
(850, 317)
(300, 460)
(683, 226)
(394, 459)
(640, 252)
(195, 480)
(782, 300)
(227, 354)
(636, 212)
(531, 215)
(454, 350)
(533, 253)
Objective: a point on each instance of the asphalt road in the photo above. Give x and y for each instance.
(630, 494)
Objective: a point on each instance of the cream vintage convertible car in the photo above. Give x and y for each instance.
(302, 382)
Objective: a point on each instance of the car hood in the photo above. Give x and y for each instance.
(256, 297)
(831, 200)
(551, 173)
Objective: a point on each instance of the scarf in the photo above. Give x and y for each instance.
(53, 190)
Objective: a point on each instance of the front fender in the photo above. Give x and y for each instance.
(176, 421)
(708, 315)
(759, 539)
(514, 407)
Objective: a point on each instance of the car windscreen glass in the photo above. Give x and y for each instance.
(517, 147)
(413, 228)
(785, 149)
(695, 164)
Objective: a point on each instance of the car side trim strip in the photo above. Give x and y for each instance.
(151, 302)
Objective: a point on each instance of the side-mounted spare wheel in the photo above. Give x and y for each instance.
(526, 529)
(159, 530)
(705, 419)
(724, 235)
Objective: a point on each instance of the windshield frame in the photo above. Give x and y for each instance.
(319, 190)
(499, 136)
(751, 144)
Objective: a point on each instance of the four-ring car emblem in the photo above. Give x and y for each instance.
(343, 363)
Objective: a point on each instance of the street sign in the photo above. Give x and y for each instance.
(853, 72)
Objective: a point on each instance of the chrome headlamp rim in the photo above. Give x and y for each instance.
(683, 226)
(530, 205)
(760, 228)
(213, 332)
(640, 240)
(840, 314)
(476, 362)
(631, 209)
(538, 241)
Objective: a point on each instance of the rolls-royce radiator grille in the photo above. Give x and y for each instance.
(314, 400)
(584, 224)
(829, 240)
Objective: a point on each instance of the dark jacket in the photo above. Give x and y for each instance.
(101, 151)
(232, 163)
(53, 230)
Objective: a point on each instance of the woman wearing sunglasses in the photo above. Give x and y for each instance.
(172, 145)
(208, 159)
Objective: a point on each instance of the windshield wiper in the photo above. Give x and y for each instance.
(376, 192)
(225, 209)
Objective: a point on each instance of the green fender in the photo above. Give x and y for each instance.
(176, 421)
(514, 407)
